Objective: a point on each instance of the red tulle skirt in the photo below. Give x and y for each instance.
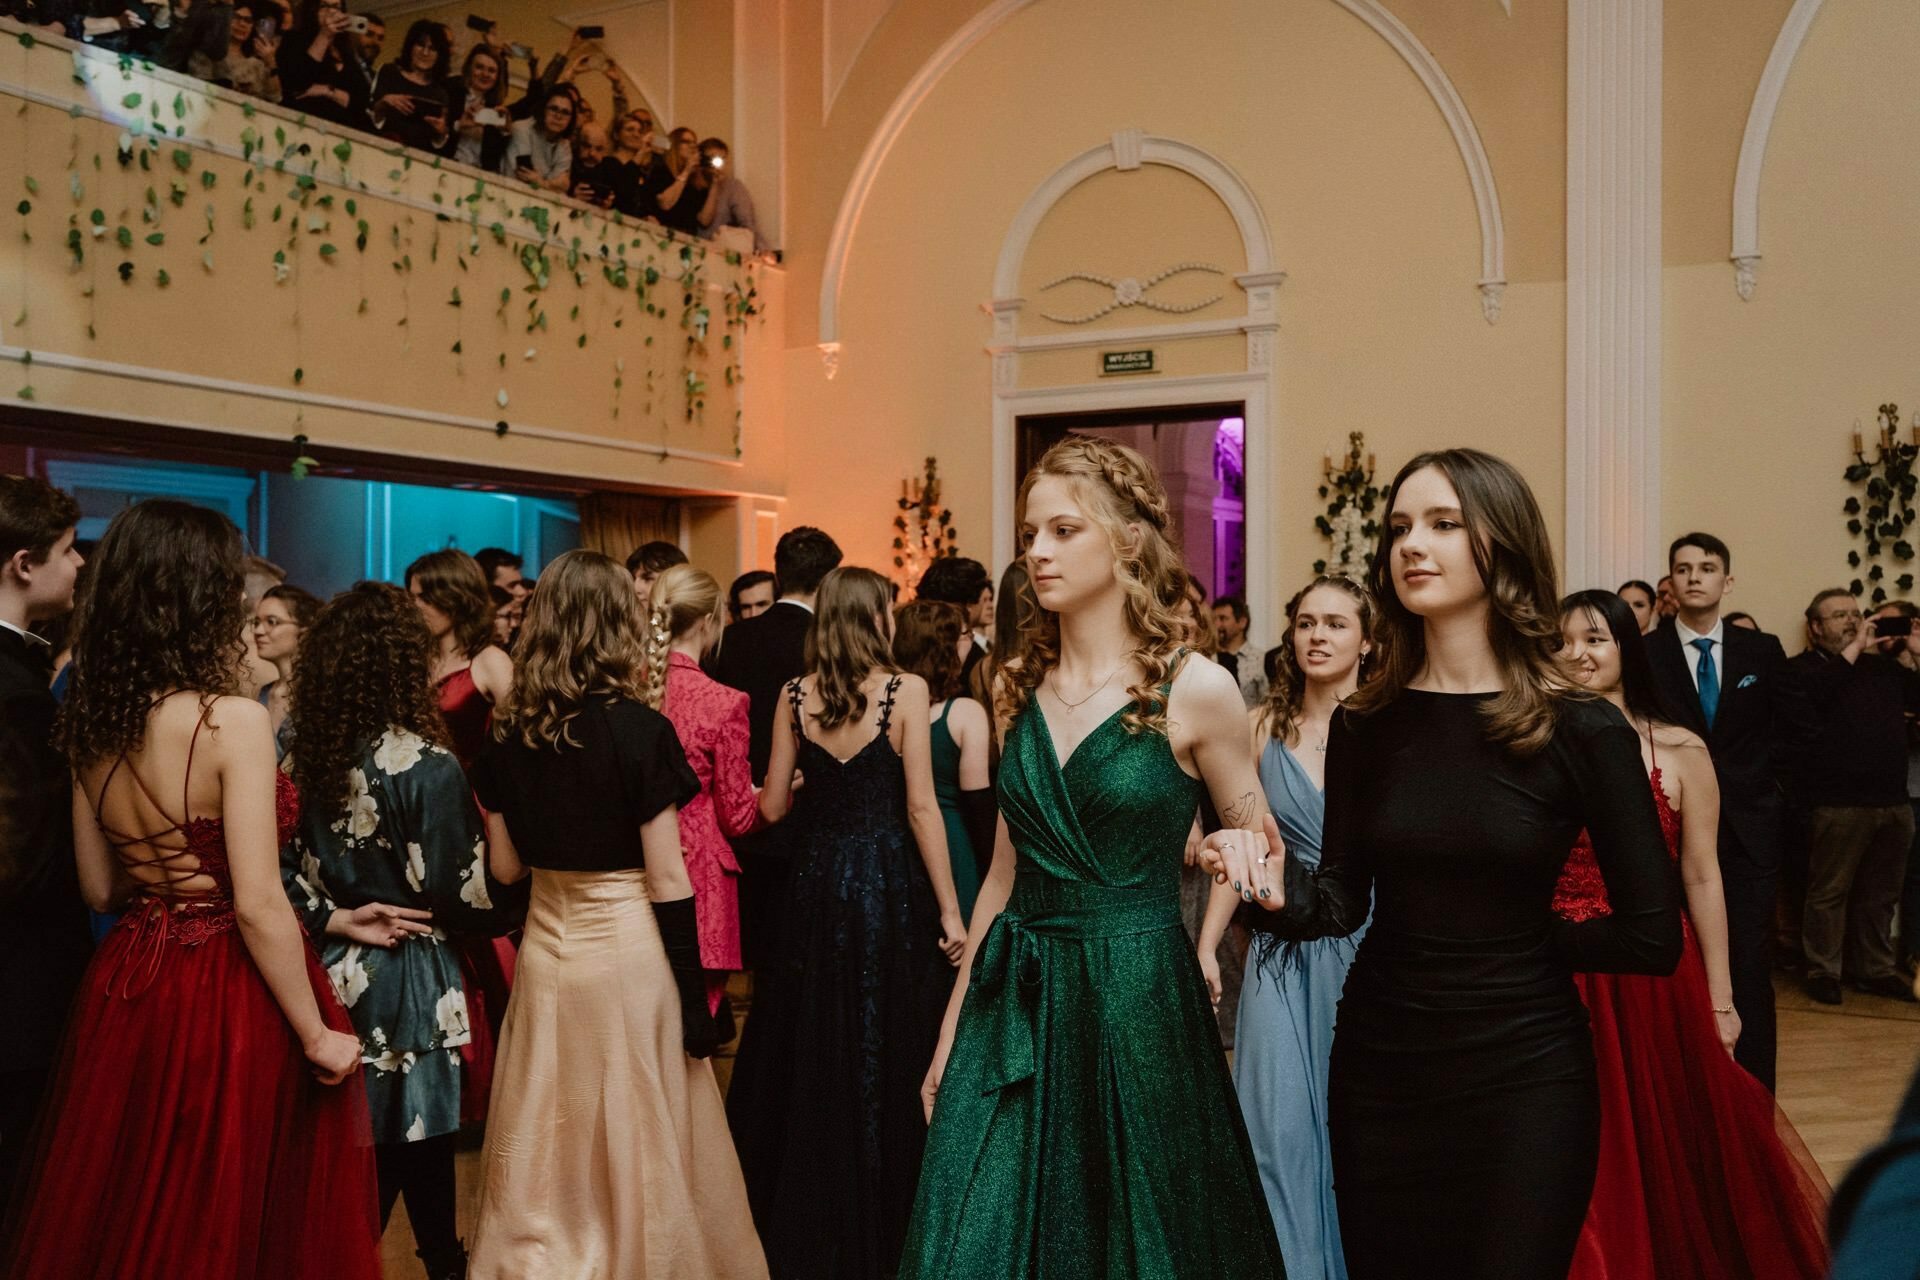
(185, 1134)
(1700, 1174)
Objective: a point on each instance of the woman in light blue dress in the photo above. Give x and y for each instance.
(1290, 993)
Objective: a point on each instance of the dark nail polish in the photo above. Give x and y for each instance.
(1236, 885)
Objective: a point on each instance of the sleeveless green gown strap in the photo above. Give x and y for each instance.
(946, 785)
(1087, 1124)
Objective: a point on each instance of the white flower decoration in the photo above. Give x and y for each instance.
(416, 866)
(363, 815)
(418, 1129)
(450, 1012)
(349, 978)
(398, 751)
(473, 887)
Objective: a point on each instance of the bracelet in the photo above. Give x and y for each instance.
(1718, 1009)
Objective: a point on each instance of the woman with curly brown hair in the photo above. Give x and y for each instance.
(193, 1131)
(607, 1151)
(931, 639)
(1285, 1026)
(823, 1099)
(1084, 1123)
(469, 672)
(389, 857)
(1462, 1104)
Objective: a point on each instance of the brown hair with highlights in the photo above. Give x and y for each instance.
(1287, 695)
(451, 581)
(1120, 492)
(926, 643)
(847, 643)
(583, 639)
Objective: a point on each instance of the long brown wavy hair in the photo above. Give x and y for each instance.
(361, 670)
(682, 596)
(1514, 557)
(926, 642)
(583, 639)
(1119, 491)
(846, 643)
(452, 582)
(1287, 695)
(164, 610)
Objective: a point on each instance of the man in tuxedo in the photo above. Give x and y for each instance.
(1731, 686)
(42, 916)
(759, 655)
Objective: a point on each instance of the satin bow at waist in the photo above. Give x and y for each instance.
(1009, 973)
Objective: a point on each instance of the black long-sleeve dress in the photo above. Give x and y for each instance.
(1462, 1102)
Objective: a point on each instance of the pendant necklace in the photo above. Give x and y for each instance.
(1075, 706)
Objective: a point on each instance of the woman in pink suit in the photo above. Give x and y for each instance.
(711, 721)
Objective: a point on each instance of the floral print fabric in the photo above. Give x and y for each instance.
(408, 835)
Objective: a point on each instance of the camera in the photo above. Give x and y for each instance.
(714, 162)
(357, 23)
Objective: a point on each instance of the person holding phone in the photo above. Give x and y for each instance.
(634, 162)
(673, 186)
(479, 136)
(541, 153)
(728, 203)
(1853, 780)
(593, 177)
(319, 74)
(248, 66)
(410, 102)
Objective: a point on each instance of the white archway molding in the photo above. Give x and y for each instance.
(1466, 135)
(1753, 145)
(1473, 155)
(1126, 151)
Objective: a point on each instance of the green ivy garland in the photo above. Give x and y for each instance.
(1883, 520)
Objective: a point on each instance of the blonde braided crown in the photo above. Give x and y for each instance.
(682, 596)
(1121, 493)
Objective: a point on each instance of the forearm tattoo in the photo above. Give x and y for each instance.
(1240, 812)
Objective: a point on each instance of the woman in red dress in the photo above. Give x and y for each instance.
(1696, 1176)
(197, 1126)
(711, 722)
(470, 673)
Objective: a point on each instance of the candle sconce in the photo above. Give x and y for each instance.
(1881, 516)
(1349, 523)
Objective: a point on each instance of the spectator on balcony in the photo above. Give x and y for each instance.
(479, 136)
(635, 164)
(594, 176)
(728, 203)
(540, 153)
(678, 204)
(410, 103)
(320, 71)
(192, 29)
(369, 44)
(248, 65)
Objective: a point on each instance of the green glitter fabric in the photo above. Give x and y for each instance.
(1087, 1125)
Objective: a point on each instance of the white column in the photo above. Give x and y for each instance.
(1613, 291)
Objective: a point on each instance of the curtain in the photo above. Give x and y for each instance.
(616, 523)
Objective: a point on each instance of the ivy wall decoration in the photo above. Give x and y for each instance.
(313, 190)
(923, 530)
(1349, 523)
(1881, 516)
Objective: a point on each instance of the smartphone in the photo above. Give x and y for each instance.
(1894, 626)
(267, 28)
(477, 23)
(716, 162)
(595, 32)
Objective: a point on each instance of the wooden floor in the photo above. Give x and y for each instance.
(1842, 1073)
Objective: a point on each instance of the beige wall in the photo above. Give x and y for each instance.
(1762, 396)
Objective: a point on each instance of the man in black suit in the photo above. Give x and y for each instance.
(42, 916)
(759, 656)
(1731, 686)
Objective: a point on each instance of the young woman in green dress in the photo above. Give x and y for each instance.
(929, 640)
(1083, 1119)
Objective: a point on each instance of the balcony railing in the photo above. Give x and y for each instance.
(183, 254)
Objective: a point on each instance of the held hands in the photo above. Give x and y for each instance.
(333, 1055)
(953, 936)
(379, 924)
(1250, 861)
(930, 1087)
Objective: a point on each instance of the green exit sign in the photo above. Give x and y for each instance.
(1112, 362)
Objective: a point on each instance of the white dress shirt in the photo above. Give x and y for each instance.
(1719, 651)
(27, 635)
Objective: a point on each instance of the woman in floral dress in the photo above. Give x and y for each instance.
(390, 857)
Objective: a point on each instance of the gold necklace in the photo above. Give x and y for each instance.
(1075, 706)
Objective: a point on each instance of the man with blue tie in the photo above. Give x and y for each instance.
(1732, 687)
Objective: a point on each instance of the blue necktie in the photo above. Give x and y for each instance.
(1709, 680)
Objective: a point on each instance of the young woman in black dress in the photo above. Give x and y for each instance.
(1462, 1103)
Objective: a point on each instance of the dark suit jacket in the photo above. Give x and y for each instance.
(42, 917)
(1762, 723)
(758, 657)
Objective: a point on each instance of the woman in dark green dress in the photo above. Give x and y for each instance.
(928, 636)
(1083, 1119)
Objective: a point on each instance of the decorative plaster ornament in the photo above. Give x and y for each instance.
(1131, 292)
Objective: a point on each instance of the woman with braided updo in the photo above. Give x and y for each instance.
(1083, 1120)
(684, 626)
